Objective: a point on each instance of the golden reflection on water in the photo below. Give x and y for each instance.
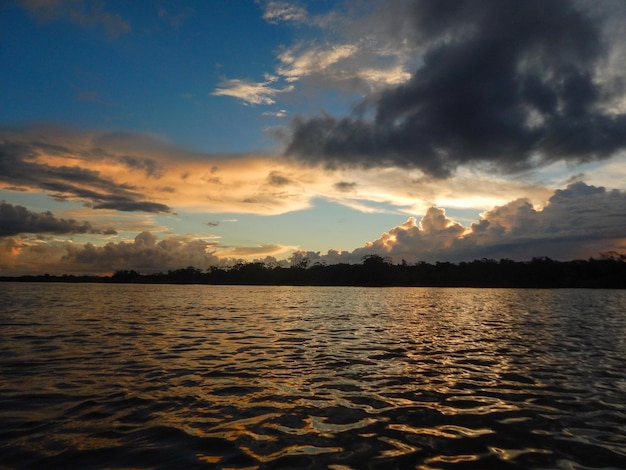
(210, 459)
(399, 448)
(446, 431)
(453, 459)
(336, 377)
(290, 451)
(512, 454)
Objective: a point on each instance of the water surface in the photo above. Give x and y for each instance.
(158, 376)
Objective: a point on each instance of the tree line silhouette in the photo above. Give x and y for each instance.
(609, 271)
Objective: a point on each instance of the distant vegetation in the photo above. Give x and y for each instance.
(609, 271)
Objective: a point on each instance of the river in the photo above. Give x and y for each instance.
(199, 376)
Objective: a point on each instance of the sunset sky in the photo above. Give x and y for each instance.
(155, 135)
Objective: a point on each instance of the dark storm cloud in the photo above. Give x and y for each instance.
(345, 186)
(15, 220)
(507, 82)
(20, 168)
(132, 206)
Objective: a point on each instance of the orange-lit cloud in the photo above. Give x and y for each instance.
(579, 221)
(132, 172)
(146, 253)
(137, 183)
(249, 252)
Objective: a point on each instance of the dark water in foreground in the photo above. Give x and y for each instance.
(138, 376)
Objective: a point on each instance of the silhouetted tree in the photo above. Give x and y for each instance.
(126, 276)
(607, 271)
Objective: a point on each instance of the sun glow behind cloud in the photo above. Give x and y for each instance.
(156, 172)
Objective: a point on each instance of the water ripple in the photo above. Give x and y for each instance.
(127, 376)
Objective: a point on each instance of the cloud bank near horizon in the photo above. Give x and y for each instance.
(578, 222)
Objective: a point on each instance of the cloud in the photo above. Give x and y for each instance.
(351, 64)
(579, 221)
(347, 48)
(275, 12)
(505, 83)
(250, 92)
(125, 172)
(345, 186)
(216, 223)
(145, 254)
(173, 13)
(578, 212)
(132, 206)
(281, 113)
(152, 168)
(16, 220)
(276, 179)
(59, 169)
(139, 172)
(299, 61)
(252, 251)
(83, 13)
(435, 233)
(18, 257)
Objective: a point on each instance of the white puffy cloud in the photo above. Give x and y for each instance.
(349, 48)
(579, 221)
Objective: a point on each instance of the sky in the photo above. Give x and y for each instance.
(156, 135)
